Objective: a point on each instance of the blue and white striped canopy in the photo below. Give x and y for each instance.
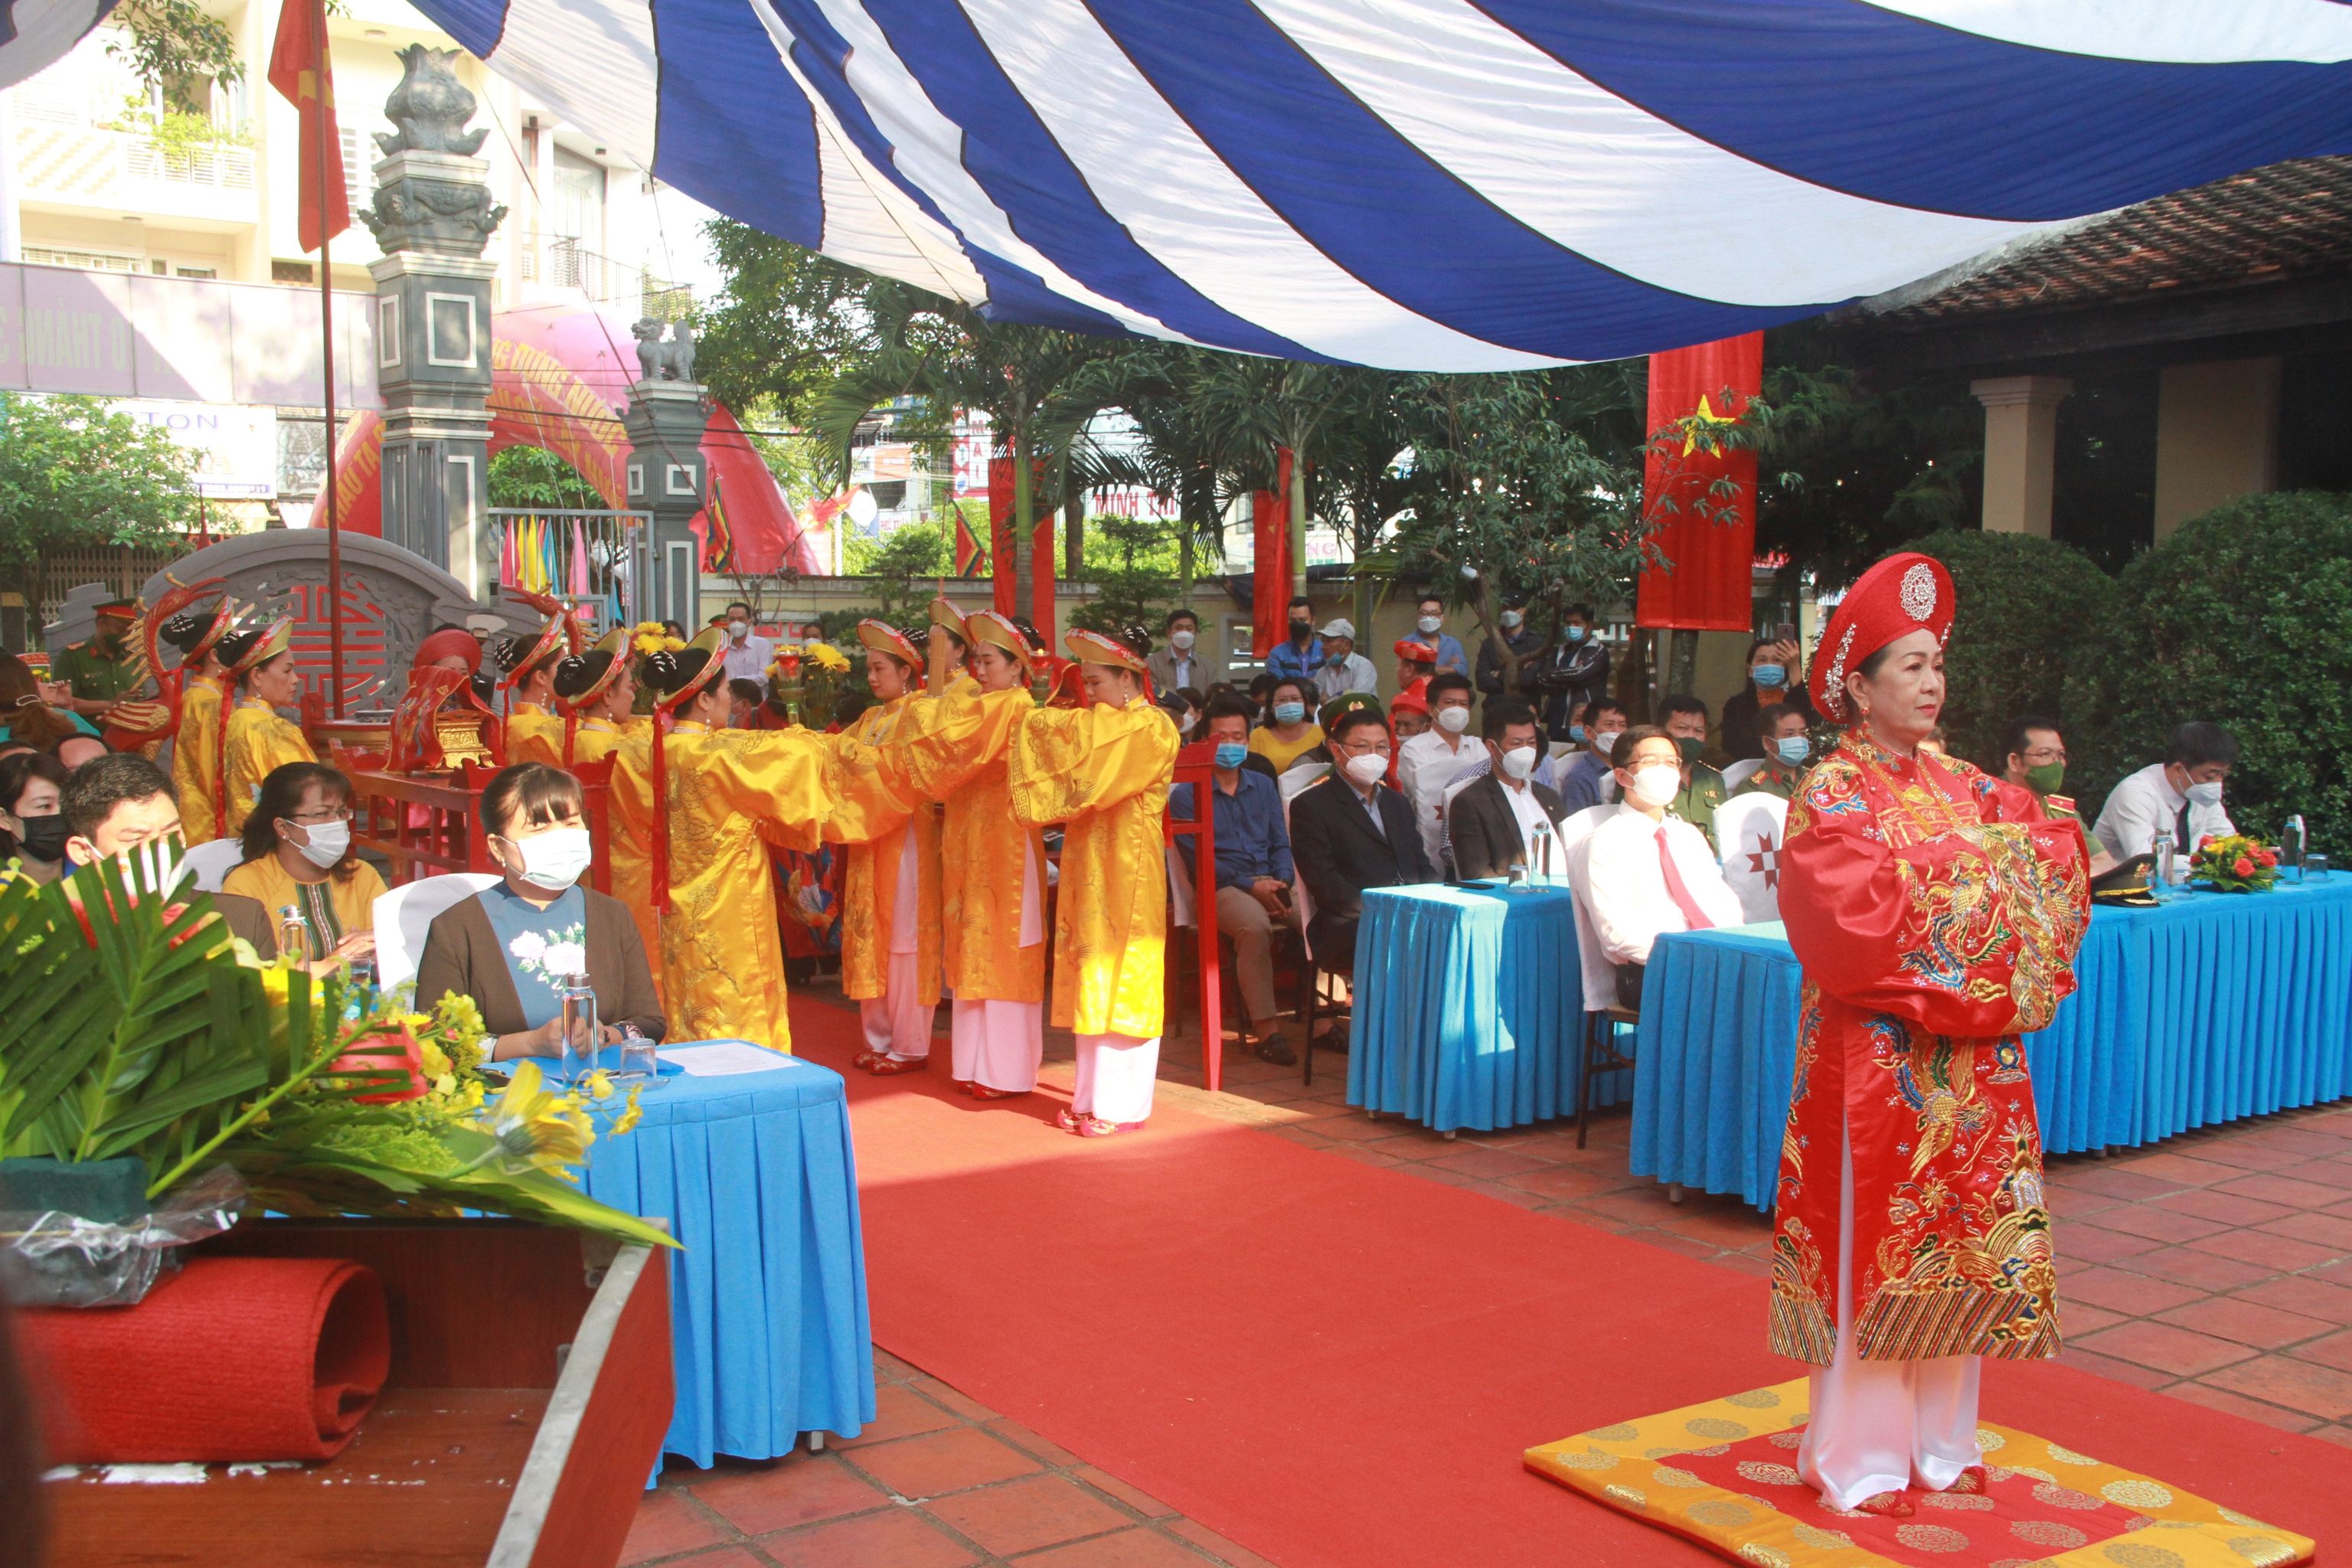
(1444, 184)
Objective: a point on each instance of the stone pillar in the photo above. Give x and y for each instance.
(666, 476)
(2216, 437)
(432, 216)
(2020, 449)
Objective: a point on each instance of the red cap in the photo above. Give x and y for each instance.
(449, 642)
(1900, 595)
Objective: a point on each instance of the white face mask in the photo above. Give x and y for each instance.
(553, 859)
(1453, 720)
(1181, 641)
(1605, 741)
(737, 630)
(328, 841)
(1519, 762)
(1511, 619)
(2205, 793)
(1185, 723)
(1369, 768)
(1656, 784)
(1428, 624)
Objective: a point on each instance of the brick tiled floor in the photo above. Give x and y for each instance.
(2212, 1267)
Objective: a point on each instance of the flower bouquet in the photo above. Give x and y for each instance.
(2234, 863)
(806, 678)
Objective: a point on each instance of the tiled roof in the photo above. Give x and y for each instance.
(2286, 220)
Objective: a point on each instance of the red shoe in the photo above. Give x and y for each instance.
(963, 1085)
(982, 1092)
(865, 1060)
(1067, 1121)
(1887, 1505)
(1096, 1127)
(890, 1067)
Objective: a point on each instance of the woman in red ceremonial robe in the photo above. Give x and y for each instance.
(1935, 912)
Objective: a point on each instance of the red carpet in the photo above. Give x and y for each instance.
(1340, 1367)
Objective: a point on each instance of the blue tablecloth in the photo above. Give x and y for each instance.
(1469, 1007)
(2210, 1007)
(768, 1321)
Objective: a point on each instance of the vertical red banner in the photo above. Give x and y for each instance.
(1001, 566)
(1270, 577)
(1707, 542)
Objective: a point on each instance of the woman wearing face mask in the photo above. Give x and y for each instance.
(256, 741)
(1936, 913)
(298, 853)
(1773, 681)
(32, 832)
(511, 948)
(1103, 771)
(1290, 730)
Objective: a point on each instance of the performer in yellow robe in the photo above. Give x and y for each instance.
(196, 743)
(890, 891)
(953, 749)
(534, 733)
(1104, 771)
(724, 795)
(595, 692)
(256, 742)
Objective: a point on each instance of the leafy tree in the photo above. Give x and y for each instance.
(1132, 576)
(2028, 609)
(788, 324)
(171, 44)
(535, 477)
(2241, 617)
(74, 473)
(904, 564)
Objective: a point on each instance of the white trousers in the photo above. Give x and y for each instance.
(1881, 1425)
(895, 1022)
(998, 1044)
(1116, 1075)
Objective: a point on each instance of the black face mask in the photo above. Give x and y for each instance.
(44, 837)
(1301, 631)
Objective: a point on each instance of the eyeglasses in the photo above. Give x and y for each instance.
(2043, 753)
(331, 814)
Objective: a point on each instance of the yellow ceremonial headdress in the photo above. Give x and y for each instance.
(881, 637)
(266, 645)
(1094, 648)
(582, 678)
(997, 630)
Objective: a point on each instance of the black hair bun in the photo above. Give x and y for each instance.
(513, 650)
(1029, 633)
(668, 670)
(576, 672)
(919, 635)
(236, 645)
(1137, 640)
(184, 631)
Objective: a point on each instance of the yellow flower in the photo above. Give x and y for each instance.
(433, 1060)
(828, 656)
(628, 1116)
(600, 1085)
(531, 1126)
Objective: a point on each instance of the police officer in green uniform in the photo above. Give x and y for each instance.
(103, 669)
(2033, 757)
(1685, 718)
(1788, 751)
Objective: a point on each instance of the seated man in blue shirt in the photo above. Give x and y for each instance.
(1254, 870)
(1589, 781)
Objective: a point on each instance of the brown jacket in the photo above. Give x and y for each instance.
(461, 954)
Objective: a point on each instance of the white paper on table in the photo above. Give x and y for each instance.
(720, 1057)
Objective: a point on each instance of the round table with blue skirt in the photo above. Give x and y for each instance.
(1469, 1007)
(755, 1175)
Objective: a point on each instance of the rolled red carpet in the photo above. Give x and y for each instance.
(231, 1358)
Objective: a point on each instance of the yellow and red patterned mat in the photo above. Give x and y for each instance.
(1723, 1474)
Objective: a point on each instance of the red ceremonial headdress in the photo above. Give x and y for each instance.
(997, 630)
(1900, 595)
(449, 642)
(1419, 652)
(1094, 648)
(561, 629)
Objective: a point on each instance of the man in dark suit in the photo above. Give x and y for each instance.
(1350, 832)
(1493, 821)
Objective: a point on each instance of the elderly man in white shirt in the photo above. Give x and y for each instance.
(1344, 670)
(2180, 795)
(748, 653)
(1649, 872)
(1429, 763)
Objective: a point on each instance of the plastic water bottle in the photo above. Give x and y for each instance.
(2161, 882)
(2294, 841)
(358, 988)
(580, 1031)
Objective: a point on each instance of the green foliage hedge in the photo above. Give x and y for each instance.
(2026, 607)
(2243, 616)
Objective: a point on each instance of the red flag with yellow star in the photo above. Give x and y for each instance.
(297, 69)
(1705, 539)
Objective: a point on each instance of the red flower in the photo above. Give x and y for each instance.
(2204, 841)
(2241, 867)
(2267, 857)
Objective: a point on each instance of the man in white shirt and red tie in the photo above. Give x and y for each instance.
(1649, 871)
